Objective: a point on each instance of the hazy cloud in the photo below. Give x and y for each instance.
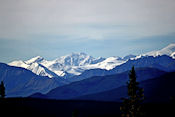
(91, 19)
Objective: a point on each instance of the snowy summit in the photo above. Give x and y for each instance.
(76, 63)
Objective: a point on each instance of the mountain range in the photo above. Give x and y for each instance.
(67, 66)
(76, 63)
(79, 74)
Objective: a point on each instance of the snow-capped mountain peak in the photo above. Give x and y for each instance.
(173, 55)
(130, 56)
(35, 59)
(168, 50)
(110, 63)
(19, 63)
(170, 47)
(75, 59)
(73, 64)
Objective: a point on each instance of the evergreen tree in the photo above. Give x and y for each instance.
(2, 90)
(132, 104)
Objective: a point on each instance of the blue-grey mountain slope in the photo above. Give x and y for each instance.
(22, 82)
(163, 62)
(158, 89)
(98, 84)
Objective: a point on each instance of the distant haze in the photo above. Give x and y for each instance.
(52, 28)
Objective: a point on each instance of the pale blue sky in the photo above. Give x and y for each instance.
(52, 28)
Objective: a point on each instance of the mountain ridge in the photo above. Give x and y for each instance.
(76, 63)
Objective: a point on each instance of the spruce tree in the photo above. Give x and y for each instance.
(131, 106)
(2, 90)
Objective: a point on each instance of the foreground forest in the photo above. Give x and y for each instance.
(29, 107)
(83, 108)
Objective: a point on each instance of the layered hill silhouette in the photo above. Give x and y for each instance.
(98, 84)
(159, 89)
